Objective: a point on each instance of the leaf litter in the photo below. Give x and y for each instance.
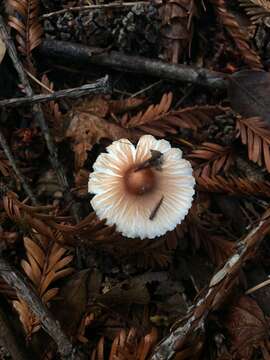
(184, 295)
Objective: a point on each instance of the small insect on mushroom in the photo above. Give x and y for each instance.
(144, 190)
(154, 161)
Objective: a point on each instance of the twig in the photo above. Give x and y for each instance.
(81, 54)
(17, 171)
(193, 325)
(100, 86)
(10, 341)
(114, 5)
(24, 290)
(257, 287)
(50, 91)
(146, 89)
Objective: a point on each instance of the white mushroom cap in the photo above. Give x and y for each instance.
(141, 203)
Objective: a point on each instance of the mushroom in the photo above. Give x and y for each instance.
(145, 190)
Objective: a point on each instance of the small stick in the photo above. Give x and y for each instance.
(258, 286)
(52, 327)
(17, 171)
(38, 82)
(146, 89)
(114, 5)
(100, 86)
(155, 210)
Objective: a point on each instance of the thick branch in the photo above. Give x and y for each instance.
(24, 290)
(100, 86)
(80, 54)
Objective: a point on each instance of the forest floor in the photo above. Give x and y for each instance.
(76, 76)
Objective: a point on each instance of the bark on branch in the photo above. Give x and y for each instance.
(187, 333)
(99, 87)
(72, 53)
(52, 327)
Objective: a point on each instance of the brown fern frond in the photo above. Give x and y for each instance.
(128, 345)
(233, 186)
(123, 105)
(31, 217)
(93, 232)
(191, 118)
(200, 230)
(255, 133)
(23, 18)
(257, 10)
(44, 265)
(90, 230)
(239, 36)
(176, 28)
(56, 228)
(152, 255)
(159, 121)
(214, 159)
(151, 114)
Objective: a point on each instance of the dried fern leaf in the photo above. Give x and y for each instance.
(151, 114)
(239, 36)
(35, 218)
(255, 133)
(29, 321)
(24, 19)
(216, 158)
(123, 105)
(159, 121)
(127, 345)
(233, 186)
(43, 267)
(257, 10)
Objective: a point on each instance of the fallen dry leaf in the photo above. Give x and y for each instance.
(247, 327)
(86, 130)
(95, 105)
(124, 105)
(72, 301)
(248, 93)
